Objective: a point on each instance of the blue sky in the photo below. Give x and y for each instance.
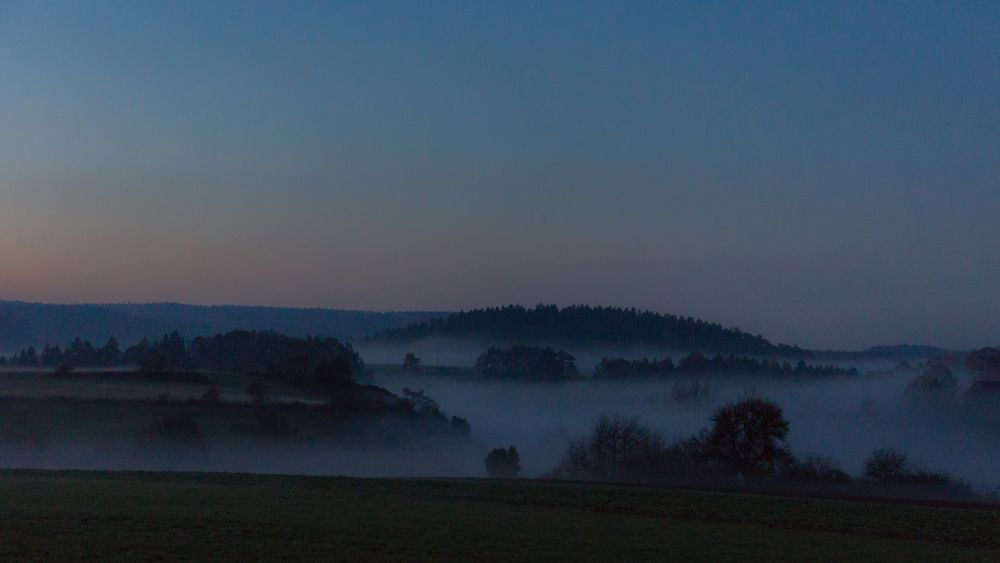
(825, 173)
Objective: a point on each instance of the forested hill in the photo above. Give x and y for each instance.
(588, 325)
(36, 324)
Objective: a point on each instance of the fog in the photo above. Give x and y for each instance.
(843, 418)
(463, 352)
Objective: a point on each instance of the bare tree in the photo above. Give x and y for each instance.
(748, 437)
(614, 441)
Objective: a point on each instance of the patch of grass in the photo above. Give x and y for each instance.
(176, 516)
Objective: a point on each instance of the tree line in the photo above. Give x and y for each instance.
(745, 444)
(522, 362)
(583, 324)
(266, 353)
(697, 363)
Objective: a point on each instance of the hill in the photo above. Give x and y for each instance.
(36, 324)
(176, 516)
(581, 324)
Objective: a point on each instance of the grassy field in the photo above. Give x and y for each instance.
(175, 516)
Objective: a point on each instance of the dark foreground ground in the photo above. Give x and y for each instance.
(103, 516)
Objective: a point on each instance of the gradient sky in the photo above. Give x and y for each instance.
(825, 173)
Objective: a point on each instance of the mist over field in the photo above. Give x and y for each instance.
(544, 281)
(464, 351)
(844, 418)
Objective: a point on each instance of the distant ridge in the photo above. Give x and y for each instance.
(581, 324)
(25, 324)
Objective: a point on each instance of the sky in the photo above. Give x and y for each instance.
(824, 173)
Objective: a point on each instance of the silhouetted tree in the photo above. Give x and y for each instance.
(110, 354)
(28, 358)
(503, 464)
(411, 363)
(887, 466)
(52, 356)
(80, 353)
(135, 355)
(748, 437)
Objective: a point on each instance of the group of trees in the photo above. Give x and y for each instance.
(617, 446)
(78, 353)
(984, 363)
(747, 439)
(526, 363)
(891, 468)
(746, 443)
(935, 386)
(588, 325)
(696, 363)
(270, 353)
(428, 409)
(503, 463)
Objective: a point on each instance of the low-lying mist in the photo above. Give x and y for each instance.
(463, 352)
(844, 418)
